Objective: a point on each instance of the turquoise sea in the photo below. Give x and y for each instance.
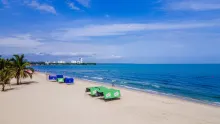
(199, 82)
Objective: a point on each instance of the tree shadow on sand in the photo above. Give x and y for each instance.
(22, 83)
(27, 83)
(9, 89)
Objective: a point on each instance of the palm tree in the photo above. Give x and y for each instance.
(1, 63)
(6, 73)
(4, 63)
(21, 68)
(5, 77)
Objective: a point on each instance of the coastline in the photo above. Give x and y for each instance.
(173, 96)
(41, 101)
(153, 93)
(157, 94)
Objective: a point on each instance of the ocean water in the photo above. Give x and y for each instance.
(199, 82)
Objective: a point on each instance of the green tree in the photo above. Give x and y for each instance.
(4, 63)
(5, 77)
(6, 73)
(1, 63)
(21, 68)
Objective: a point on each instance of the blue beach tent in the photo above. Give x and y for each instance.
(51, 77)
(59, 76)
(69, 80)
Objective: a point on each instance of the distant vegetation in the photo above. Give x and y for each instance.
(16, 67)
(43, 63)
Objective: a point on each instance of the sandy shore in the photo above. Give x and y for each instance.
(39, 101)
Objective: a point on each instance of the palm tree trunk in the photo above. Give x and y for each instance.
(18, 80)
(3, 87)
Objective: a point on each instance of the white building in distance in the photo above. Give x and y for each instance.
(61, 62)
(73, 61)
(81, 60)
(78, 62)
(47, 62)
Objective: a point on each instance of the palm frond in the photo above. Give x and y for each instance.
(21, 67)
(25, 64)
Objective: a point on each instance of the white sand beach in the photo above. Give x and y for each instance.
(39, 101)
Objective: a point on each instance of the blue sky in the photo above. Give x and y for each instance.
(119, 31)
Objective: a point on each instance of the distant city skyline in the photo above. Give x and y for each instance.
(79, 61)
(109, 31)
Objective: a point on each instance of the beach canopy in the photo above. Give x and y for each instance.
(60, 80)
(109, 93)
(52, 77)
(59, 76)
(105, 92)
(93, 90)
(112, 94)
(88, 89)
(69, 80)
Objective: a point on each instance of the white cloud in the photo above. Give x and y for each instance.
(40, 54)
(195, 5)
(73, 6)
(73, 54)
(152, 47)
(66, 54)
(85, 3)
(107, 57)
(72, 49)
(26, 44)
(122, 29)
(20, 41)
(42, 7)
(115, 57)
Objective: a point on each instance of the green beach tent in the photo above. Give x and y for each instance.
(60, 80)
(105, 92)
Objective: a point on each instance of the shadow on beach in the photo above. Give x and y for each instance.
(108, 100)
(91, 95)
(6, 90)
(26, 83)
(15, 85)
(101, 98)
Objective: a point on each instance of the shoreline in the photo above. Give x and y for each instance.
(151, 92)
(40, 101)
(155, 93)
